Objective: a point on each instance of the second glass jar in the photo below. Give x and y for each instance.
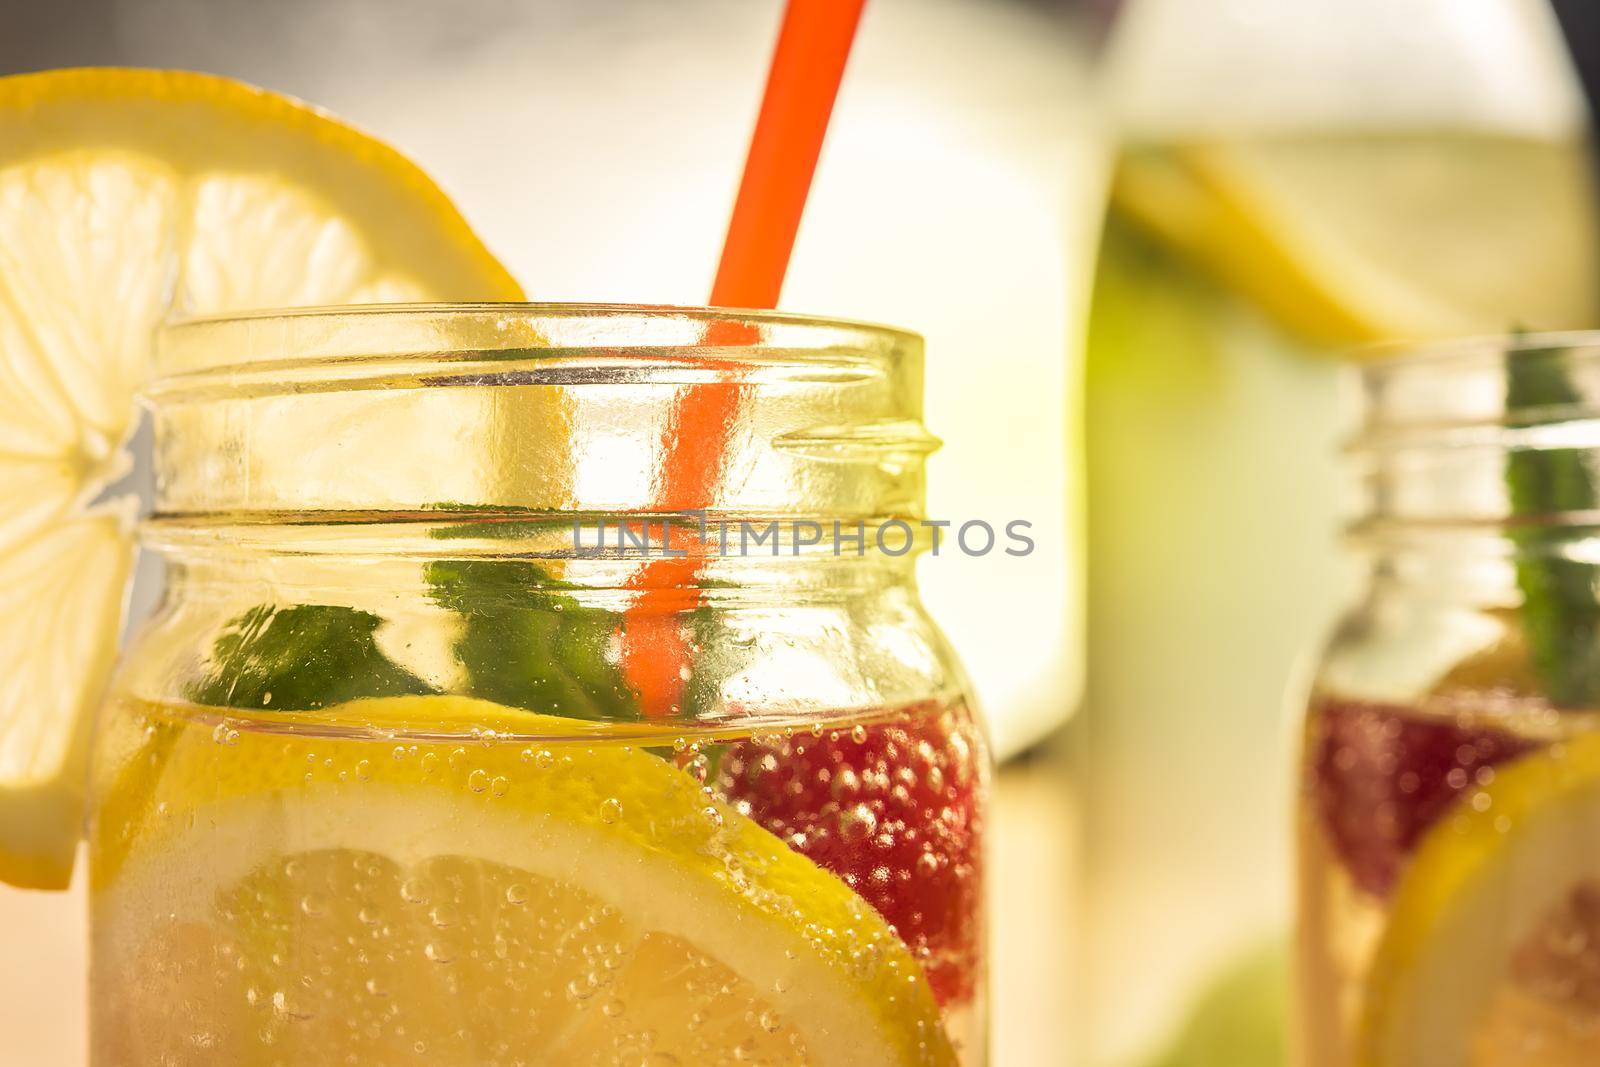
(1450, 778)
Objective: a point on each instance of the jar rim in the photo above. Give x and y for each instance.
(538, 408)
(1479, 432)
(589, 308)
(197, 347)
(1382, 359)
(1454, 392)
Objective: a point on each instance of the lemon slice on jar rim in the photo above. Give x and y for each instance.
(127, 196)
(1491, 954)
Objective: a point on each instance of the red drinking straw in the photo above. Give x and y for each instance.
(807, 67)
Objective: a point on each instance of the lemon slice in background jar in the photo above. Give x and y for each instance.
(581, 901)
(1491, 956)
(1358, 237)
(125, 196)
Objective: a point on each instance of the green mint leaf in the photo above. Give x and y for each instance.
(300, 658)
(1560, 613)
(526, 643)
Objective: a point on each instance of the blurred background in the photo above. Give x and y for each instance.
(1139, 237)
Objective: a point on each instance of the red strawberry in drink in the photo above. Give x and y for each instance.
(1383, 775)
(893, 810)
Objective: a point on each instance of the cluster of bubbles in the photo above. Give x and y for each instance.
(348, 956)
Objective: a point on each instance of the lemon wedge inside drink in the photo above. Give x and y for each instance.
(127, 196)
(1491, 955)
(360, 898)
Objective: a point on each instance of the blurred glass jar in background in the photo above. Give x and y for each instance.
(1449, 818)
(1293, 179)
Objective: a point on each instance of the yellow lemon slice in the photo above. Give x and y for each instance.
(1354, 238)
(319, 896)
(1491, 955)
(126, 195)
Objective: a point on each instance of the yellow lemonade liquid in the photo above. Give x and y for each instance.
(1231, 269)
(442, 880)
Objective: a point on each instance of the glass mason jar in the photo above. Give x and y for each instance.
(1449, 828)
(458, 738)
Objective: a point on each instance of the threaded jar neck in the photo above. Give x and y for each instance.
(1480, 439)
(387, 412)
